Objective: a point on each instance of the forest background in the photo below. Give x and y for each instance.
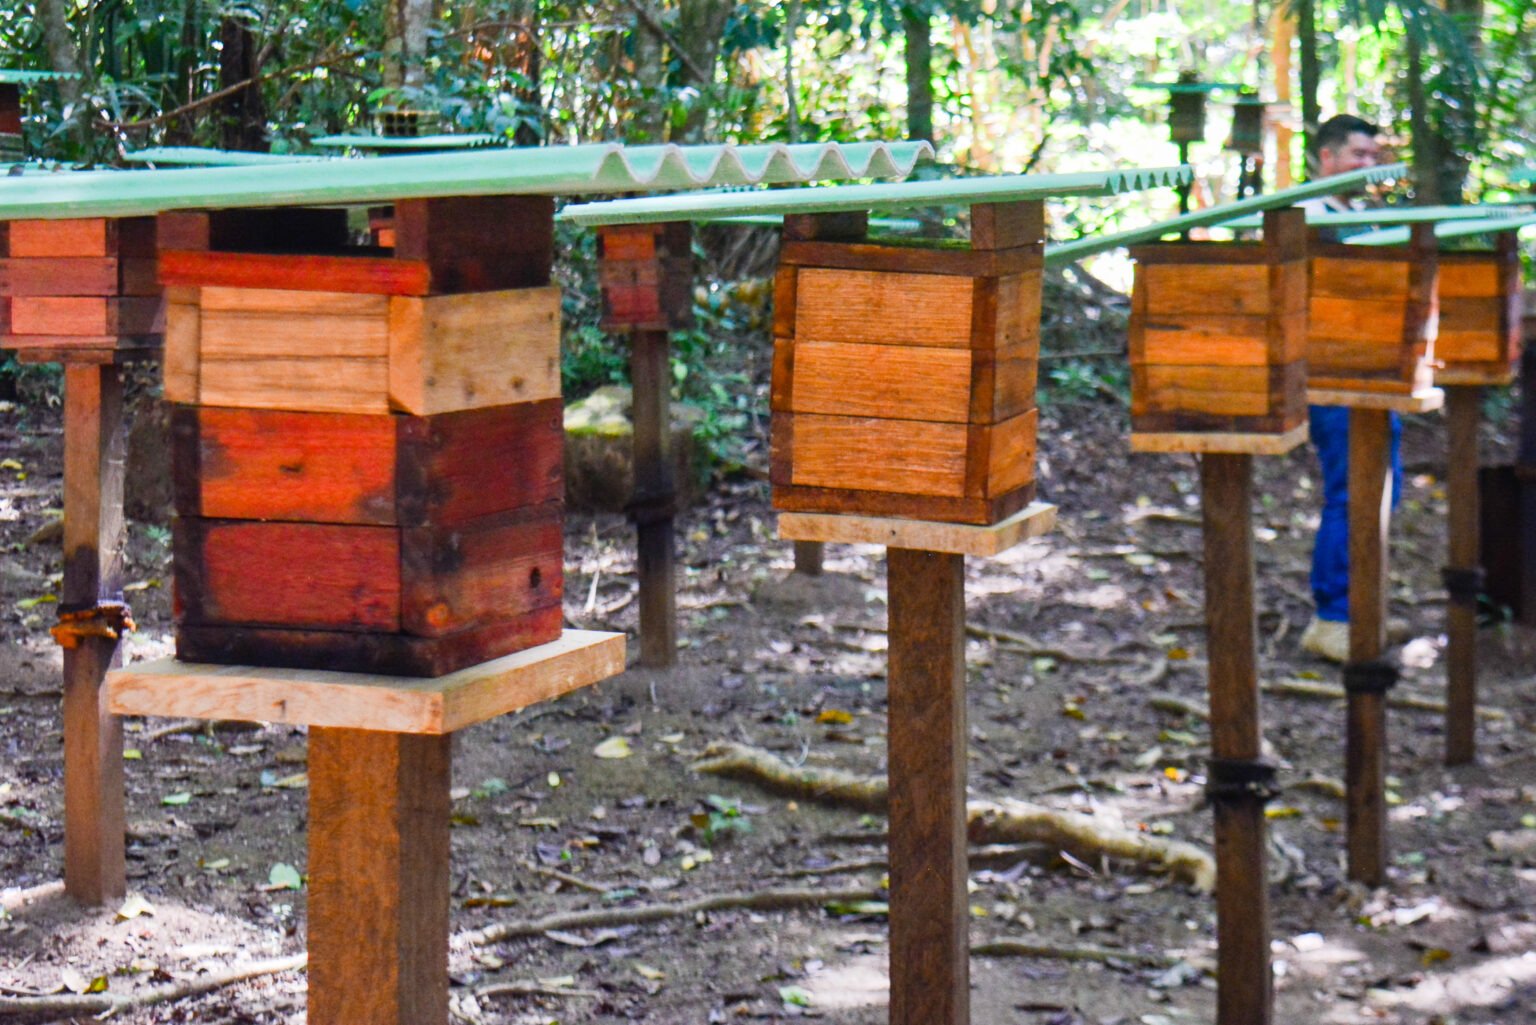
(1000, 86)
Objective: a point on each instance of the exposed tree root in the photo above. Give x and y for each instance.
(1332, 692)
(640, 914)
(988, 822)
(1021, 948)
(102, 1005)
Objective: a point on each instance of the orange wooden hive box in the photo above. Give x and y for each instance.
(1218, 333)
(904, 376)
(368, 443)
(646, 274)
(81, 290)
(1373, 316)
(1480, 314)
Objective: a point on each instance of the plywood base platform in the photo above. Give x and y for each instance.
(395, 704)
(1220, 442)
(1425, 401)
(921, 535)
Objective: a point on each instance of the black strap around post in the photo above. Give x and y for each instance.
(1463, 585)
(647, 510)
(1234, 779)
(1373, 677)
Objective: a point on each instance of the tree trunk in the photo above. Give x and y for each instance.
(1426, 141)
(918, 28)
(243, 116)
(405, 44)
(64, 55)
(700, 28)
(529, 97)
(1311, 76)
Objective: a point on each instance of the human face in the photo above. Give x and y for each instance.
(1357, 152)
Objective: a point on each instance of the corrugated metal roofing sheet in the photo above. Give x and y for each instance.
(198, 156)
(703, 206)
(553, 170)
(1388, 215)
(1447, 230)
(409, 143)
(16, 76)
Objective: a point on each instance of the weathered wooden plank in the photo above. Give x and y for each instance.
(1234, 341)
(378, 877)
(95, 539)
(882, 308)
(330, 386)
(1034, 520)
(361, 700)
(1463, 411)
(930, 909)
(392, 654)
(455, 467)
(1218, 290)
(87, 315)
(655, 495)
(478, 349)
(889, 255)
(914, 457)
(290, 271)
(59, 276)
(183, 331)
(478, 243)
(982, 511)
(87, 236)
(476, 574)
(239, 572)
(1359, 276)
(1005, 226)
(905, 382)
(1223, 391)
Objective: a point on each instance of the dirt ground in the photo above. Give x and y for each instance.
(1089, 625)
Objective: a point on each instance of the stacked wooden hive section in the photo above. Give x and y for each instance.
(646, 274)
(1218, 334)
(79, 290)
(1374, 316)
(1480, 314)
(904, 377)
(367, 443)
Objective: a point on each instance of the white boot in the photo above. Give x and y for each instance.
(1327, 638)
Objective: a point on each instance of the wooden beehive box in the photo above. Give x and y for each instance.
(79, 289)
(1218, 333)
(646, 275)
(904, 377)
(11, 147)
(1373, 316)
(1480, 314)
(368, 448)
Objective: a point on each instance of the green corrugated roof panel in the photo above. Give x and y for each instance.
(1386, 215)
(199, 156)
(409, 143)
(710, 206)
(551, 170)
(1067, 252)
(16, 76)
(1467, 228)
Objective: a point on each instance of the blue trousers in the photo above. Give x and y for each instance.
(1330, 554)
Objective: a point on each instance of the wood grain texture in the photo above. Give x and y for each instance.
(95, 539)
(60, 276)
(88, 236)
(378, 877)
(455, 467)
(183, 341)
(1035, 520)
(888, 255)
(1463, 412)
(469, 351)
(1007, 225)
(1219, 442)
(1359, 275)
(357, 700)
(930, 908)
(296, 575)
(478, 243)
(1370, 512)
(1222, 391)
(1244, 987)
(981, 511)
(654, 495)
(296, 271)
(882, 308)
(89, 316)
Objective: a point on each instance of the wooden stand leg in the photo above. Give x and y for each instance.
(1244, 990)
(1462, 412)
(1370, 510)
(808, 556)
(929, 921)
(1525, 476)
(655, 496)
(378, 877)
(95, 446)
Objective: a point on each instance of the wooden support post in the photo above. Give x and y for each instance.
(929, 920)
(95, 447)
(1462, 574)
(808, 558)
(1370, 510)
(378, 873)
(1525, 476)
(1244, 990)
(655, 497)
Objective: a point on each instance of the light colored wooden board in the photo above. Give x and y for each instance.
(869, 454)
(183, 322)
(1208, 290)
(478, 349)
(1359, 279)
(1424, 401)
(286, 301)
(394, 704)
(883, 308)
(907, 382)
(317, 385)
(922, 535)
(241, 323)
(1226, 443)
(1472, 376)
(1018, 312)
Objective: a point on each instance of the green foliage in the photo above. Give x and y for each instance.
(721, 818)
